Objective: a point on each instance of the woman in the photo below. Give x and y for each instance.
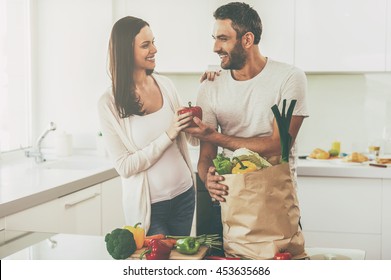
(142, 132)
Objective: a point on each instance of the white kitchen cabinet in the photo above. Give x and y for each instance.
(386, 218)
(77, 213)
(184, 41)
(388, 57)
(340, 204)
(2, 223)
(80, 212)
(278, 24)
(316, 36)
(182, 31)
(44, 218)
(62, 247)
(342, 213)
(370, 243)
(335, 35)
(112, 211)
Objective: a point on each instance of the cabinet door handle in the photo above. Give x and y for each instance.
(71, 204)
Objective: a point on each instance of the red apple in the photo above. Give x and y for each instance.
(283, 256)
(196, 111)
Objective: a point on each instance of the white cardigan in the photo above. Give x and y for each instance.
(132, 163)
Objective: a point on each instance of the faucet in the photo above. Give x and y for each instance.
(37, 153)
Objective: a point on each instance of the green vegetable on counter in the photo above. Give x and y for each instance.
(120, 243)
(223, 164)
(284, 121)
(210, 240)
(187, 246)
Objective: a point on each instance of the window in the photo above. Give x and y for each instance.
(15, 82)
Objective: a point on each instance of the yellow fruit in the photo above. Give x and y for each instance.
(322, 155)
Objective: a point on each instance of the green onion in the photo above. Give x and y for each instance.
(284, 121)
(209, 240)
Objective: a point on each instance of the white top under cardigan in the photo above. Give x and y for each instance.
(132, 163)
(163, 184)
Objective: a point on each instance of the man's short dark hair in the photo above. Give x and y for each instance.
(244, 19)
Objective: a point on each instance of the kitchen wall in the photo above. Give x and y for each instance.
(69, 51)
(69, 75)
(351, 108)
(354, 109)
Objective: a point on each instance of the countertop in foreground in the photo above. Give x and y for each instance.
(51, 246)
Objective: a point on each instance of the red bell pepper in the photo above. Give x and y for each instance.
(148, 239)
(157, 250)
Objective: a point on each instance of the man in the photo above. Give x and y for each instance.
(237, 104)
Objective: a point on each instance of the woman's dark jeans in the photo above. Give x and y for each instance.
(174, 216)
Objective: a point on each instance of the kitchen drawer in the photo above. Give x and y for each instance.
(349, 205)
(71, 247)
(80, 212)
(44, 218)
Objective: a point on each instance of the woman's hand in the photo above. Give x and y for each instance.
(210, 75)
(215, 189)
(179, 123)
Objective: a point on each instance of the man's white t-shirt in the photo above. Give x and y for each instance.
(243, 108)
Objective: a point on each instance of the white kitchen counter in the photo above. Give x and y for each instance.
(336, 168)
(325, 168)
(24, 184)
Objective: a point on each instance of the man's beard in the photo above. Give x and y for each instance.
(237, 58)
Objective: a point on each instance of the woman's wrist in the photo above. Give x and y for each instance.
(171, 135)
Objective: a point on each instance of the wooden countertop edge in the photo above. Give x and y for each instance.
(175, 255)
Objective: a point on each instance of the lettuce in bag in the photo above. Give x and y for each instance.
(245, 154)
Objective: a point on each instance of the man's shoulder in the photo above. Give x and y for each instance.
(217, 82)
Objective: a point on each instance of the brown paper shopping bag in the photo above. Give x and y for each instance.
(261, 214)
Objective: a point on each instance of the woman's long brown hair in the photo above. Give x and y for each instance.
(121, 65)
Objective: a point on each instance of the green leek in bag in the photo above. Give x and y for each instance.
(284, 121)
